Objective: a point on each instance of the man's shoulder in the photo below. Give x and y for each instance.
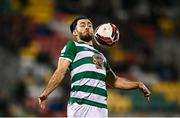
(70, 43)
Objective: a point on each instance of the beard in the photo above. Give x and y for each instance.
(86, 38)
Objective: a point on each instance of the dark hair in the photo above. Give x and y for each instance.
(74, 23)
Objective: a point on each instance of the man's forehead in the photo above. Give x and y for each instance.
(84, 21)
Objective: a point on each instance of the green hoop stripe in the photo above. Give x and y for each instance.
(88, 102)
(90, 89)
(88, 74)
(83, 48)
(86, 60)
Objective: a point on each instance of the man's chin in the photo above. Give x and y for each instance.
(86, 38)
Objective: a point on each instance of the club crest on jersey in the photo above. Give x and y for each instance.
(98, 61)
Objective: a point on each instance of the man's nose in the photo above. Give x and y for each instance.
(87, 28)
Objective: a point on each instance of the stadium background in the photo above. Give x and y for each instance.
(32, 33)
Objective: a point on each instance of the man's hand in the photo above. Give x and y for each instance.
(145, 90)
(42, 102)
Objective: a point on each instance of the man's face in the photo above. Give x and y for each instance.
(84, 30)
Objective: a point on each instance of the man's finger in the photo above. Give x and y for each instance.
(147, 95)
(39, 101)
(42, 106)
(148, 99)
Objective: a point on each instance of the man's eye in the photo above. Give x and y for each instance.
(82, 25)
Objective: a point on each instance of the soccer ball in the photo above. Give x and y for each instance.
(106, 34)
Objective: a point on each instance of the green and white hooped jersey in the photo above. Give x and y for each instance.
(88, 72)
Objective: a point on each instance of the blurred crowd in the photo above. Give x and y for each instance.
(33, 32)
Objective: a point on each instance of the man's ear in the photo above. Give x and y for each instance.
(75, 33)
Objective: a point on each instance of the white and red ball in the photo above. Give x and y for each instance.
(106, 34)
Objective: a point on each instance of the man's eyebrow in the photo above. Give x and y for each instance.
(89, 23)
(84, 23)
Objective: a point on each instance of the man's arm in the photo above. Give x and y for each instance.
(123, 83)
(54, 80)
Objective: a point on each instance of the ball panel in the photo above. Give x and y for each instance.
(104, 30)
(103, 40)
(106, 34)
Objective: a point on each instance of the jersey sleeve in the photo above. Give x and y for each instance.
(107, 66)
(69, 51)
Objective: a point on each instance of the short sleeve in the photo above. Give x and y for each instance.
(107, 66)
(69, 51)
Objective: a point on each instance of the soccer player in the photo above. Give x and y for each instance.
(88, 69)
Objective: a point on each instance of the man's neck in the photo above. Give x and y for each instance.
(88, 43)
